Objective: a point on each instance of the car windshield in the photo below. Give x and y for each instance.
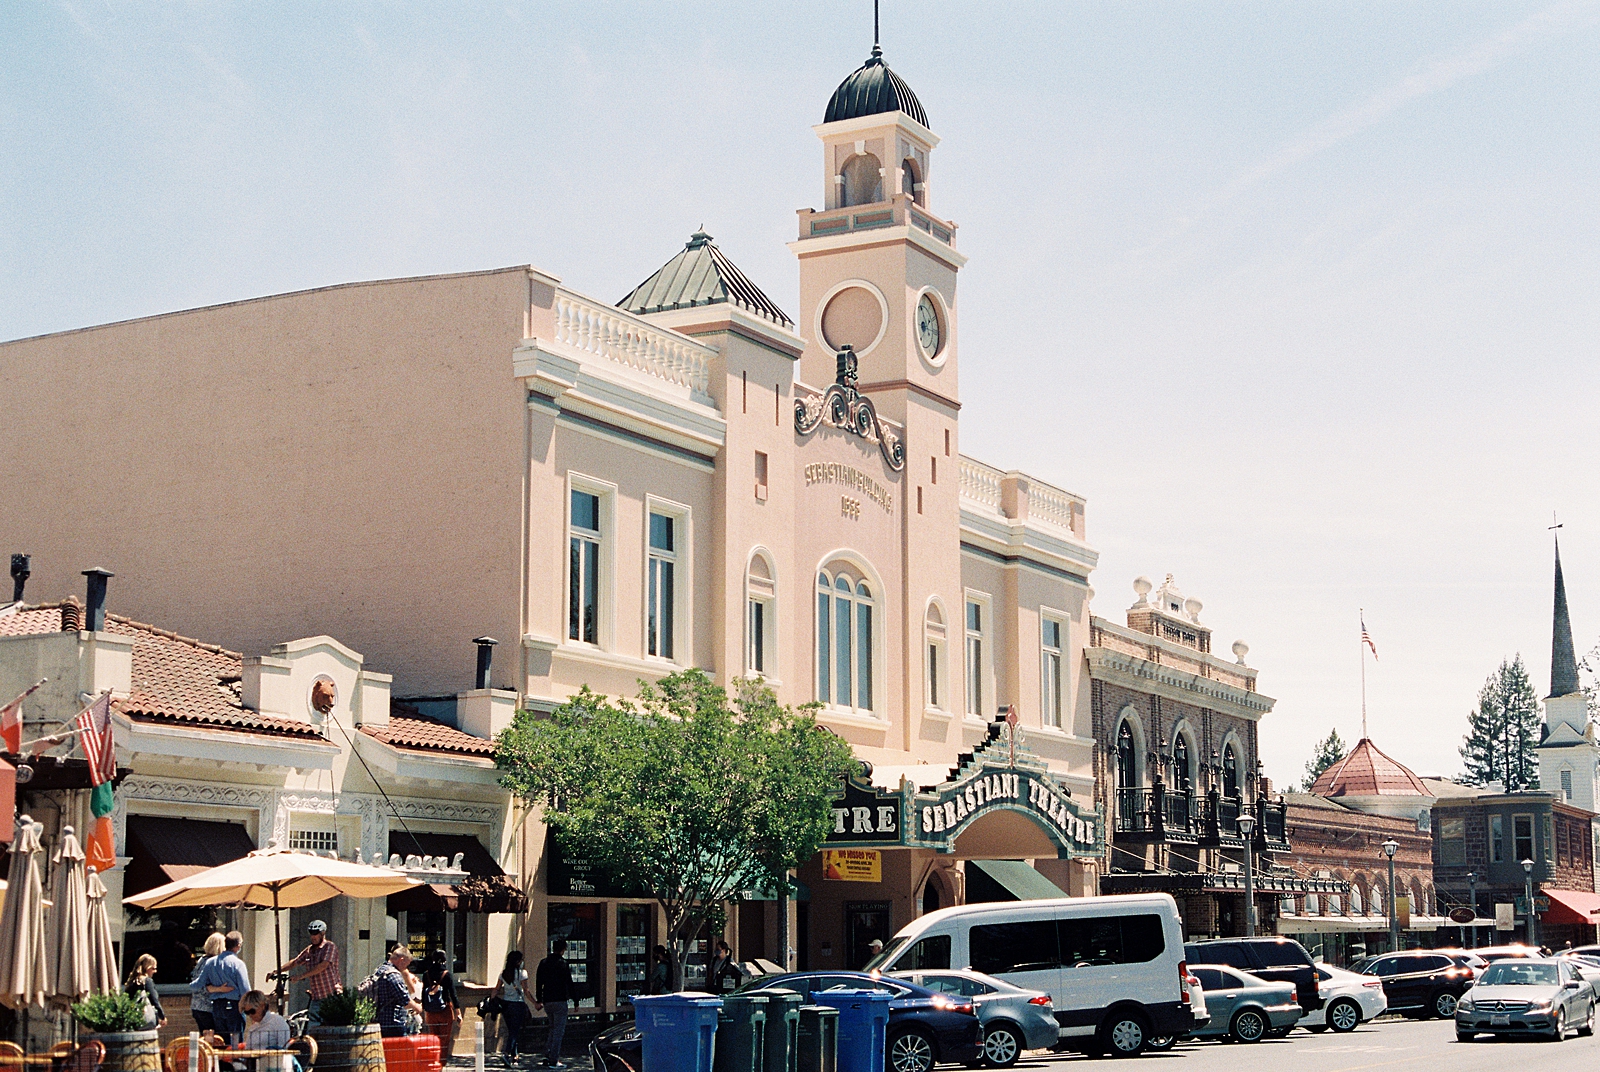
(1520, 973)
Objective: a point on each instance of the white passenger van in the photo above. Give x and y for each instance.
(1113, 965)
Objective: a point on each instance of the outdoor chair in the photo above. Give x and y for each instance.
(176, 1056)
(10, 1055)
(86, 1058)
(305, 1048)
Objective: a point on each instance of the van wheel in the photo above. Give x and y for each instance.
(1001, 1046)
(1249, 1026)
(1344, 1015)
(1124, 1034)
(910, 1051)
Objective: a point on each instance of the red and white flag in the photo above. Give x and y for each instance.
(94, 728)
(11, 720)
(1367, 640)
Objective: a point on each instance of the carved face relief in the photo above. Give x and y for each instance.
(323, 695)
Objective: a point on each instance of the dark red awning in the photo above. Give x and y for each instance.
(1572, 906)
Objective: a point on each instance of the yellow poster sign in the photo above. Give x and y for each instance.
(1402, 912)
(852, 865)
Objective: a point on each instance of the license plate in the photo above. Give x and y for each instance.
(1500, 1021)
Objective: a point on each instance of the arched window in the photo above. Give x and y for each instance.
(936, 676)
(863, 180)
(1355, 900)
(761, 618)
(1127, 761)
(845, 610)
(1313, 905)
(1182, 779)
(1230, 773)
(908, 180)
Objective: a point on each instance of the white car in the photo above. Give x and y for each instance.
(1348, 1000)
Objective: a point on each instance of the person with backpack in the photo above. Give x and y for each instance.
(441, 1008)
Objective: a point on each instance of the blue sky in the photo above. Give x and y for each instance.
(1304, 297)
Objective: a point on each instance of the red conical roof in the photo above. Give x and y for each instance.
(1367, 772)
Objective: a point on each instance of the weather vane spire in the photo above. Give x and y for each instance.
(874, 23)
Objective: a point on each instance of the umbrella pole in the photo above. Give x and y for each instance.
(277, 940)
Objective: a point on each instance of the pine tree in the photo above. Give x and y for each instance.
(1504, 731)
(1327, 752)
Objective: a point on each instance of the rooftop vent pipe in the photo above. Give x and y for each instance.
(21, 570)
(485, 659)
(95, 612)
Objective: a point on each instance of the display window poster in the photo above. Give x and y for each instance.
(852, 865)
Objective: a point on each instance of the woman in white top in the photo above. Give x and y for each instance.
(514, 1001)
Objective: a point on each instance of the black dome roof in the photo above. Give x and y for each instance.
(872, 89)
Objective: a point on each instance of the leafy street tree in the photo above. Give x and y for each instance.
(1328, 751)
(688, 793)
(1504, 731)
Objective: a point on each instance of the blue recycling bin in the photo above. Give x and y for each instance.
(863, 1025)
(677, 1031)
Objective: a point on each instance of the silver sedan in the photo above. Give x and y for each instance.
(1527, 997)
(1014, 1019)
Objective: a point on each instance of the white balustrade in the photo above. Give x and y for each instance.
(1050, 505)
(604, 331)
(981, 483)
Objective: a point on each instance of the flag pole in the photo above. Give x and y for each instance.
(1361, 650)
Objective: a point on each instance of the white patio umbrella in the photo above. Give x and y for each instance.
(67, 924)
(22, 972)
(275, 879)
(102, 958)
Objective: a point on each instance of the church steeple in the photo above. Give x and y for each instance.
(1563, 660)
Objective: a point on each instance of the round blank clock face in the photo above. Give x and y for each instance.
(928, 330)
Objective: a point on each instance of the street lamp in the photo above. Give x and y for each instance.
(1472, 894)
(1527, 878)
(1391, 847)
(1247, 827)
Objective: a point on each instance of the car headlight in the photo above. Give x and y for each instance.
(1464, 1006)
(1541, 1006)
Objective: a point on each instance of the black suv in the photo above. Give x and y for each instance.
(1420, 982)
(1281, 960)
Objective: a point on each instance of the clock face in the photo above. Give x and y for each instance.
(928, 331)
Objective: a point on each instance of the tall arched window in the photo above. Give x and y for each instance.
(1127, 761)
(937, 677)
(761, 618)
(908, 180)
(1230, 773)
(1182, 772)
(863, 180)
(845, 610)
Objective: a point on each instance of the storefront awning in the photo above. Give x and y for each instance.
(1571, 906)
(163, 849)
(1008, 880)
(1357, 924)
(487, 888)
(475, 859)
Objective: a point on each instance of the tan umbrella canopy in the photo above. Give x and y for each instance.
(102, 958)
(66, 932)
(275, 879)
(22, 971)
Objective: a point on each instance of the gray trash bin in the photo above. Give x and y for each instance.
(817, 1041)
(741, 1035)
(783, 1028)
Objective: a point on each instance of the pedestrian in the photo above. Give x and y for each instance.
(723, 974)
(553, 990)
(660, 970)
(265, 1030)
(874, 947)
(318, 965)
(441, 1008)
(387, 988)
(142, 981)
(414, 988)
(199, 1000)
(228, 981)
(514, 1000)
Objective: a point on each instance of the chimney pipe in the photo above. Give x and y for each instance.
(485, 659)
(95, 613)
(21, 570)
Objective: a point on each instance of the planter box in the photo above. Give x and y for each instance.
(348, 1049)
(128, 1051)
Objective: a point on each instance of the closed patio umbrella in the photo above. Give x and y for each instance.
(22, 970)
(67, 924)
(102, 958)
(275, 879)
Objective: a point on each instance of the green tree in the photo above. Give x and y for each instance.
(1504, 731)
(1327, 752)
(689, 793)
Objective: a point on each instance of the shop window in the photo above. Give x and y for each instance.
(1497, 838)
(635, 939)
(588, 524)
(846, 611)
(1522, 834)
(1452, 841)
(1050, 644)
(579, 924)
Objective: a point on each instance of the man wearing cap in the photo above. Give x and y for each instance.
(874, 947)
(319, 968)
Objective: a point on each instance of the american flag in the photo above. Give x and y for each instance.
(1367, 640)
(94, 726)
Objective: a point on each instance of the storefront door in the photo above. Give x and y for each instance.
(580, 925)
(635, 939)
(864, 921)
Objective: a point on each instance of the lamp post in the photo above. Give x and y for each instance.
(1247, 827)
(1391, 847)
(1472, 895)
(1527, 879)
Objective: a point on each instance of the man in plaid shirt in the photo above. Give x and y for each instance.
(319, 968)
(387, 989)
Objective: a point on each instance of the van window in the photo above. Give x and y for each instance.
(932, 952)
(1094, 940)
(1013, 947)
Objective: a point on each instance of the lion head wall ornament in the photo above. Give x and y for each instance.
(842, 406)
(323, 695)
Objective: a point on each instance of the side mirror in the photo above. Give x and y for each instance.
(1572, 985)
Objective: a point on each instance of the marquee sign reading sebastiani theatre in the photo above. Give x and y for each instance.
(1000, 774)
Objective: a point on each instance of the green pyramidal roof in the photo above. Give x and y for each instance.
(701, 275)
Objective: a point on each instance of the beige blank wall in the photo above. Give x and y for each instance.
(344, 461)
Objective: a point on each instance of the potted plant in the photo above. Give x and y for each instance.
(117, 1020)
(348, 1039)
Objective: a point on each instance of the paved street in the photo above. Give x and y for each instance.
(1387, 1046)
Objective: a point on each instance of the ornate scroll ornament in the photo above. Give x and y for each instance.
(843, 407)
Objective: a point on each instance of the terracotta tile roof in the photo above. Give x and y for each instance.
(176, 680)
(1367, 772)
(410, 729)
